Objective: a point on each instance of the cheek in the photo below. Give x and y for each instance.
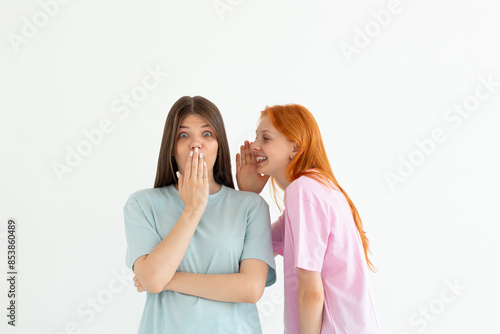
(281, 158)
(177, 157)
(272, 151)
(179, 164)
(214, 147)
(180, 157)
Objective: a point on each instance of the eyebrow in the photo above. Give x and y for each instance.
(187, 127)
(265, 130)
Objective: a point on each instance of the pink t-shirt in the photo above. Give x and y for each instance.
(317, 232)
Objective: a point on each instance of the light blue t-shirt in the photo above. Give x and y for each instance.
(234, 226)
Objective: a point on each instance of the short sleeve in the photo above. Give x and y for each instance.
(258, 243)
(277, 234)
(140, 231)
(310, 231)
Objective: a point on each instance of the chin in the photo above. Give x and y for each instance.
(262, 171)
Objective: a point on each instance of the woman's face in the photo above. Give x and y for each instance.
(272, 150)
(195, 132)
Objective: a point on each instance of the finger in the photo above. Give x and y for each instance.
(242, 155)
(200, 166)
(253, 159)
(135, 278)
(180, 179)
(205, 172)
(245, 153)
(238, 162)
(194, 164)
(248, 153)
(187, 168)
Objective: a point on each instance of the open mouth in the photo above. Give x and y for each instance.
(260, 159)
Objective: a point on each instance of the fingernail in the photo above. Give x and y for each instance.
(196, 150)
(178, 174)
(205, 163)
(201, 155)
(191, 153)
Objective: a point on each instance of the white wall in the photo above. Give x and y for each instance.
(373, 96)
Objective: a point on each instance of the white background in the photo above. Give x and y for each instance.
(437, 227)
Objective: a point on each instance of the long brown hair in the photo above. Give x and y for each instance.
(183, 107)
(298, 125)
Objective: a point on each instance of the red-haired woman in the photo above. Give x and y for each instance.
(320, 234)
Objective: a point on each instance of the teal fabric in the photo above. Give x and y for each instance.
(235, 226)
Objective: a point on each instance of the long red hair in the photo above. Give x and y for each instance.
(298, 125)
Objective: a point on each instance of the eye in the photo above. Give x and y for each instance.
(207, 134)
(183, 135)
(264, 138)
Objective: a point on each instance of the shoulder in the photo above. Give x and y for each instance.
(310, 189)
(305, 185)
(246, 198)
(147, 196)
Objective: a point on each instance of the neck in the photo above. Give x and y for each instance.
(214, 187)
(282, 181)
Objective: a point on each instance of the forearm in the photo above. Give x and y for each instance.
(247, 286)
(235, 288)
(310, 311)
(158, 267)
(310, 301)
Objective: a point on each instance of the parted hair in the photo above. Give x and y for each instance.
(183, 107)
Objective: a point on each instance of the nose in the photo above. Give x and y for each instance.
(254, 146)
(195, 143)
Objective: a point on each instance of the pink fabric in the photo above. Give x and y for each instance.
(317, 232)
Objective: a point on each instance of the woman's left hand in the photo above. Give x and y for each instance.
(138, 284)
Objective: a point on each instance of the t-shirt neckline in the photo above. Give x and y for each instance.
(222, 191)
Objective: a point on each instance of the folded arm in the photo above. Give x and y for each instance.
(157, 268)
(247, 286)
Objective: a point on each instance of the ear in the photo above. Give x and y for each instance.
(295, 149)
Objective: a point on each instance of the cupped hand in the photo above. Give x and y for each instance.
(247, 177)
(193, 185)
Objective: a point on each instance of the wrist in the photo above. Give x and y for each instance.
(193, 213)
(175, 282)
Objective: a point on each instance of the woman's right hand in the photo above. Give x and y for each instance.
(193, 185)
(246, 171)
